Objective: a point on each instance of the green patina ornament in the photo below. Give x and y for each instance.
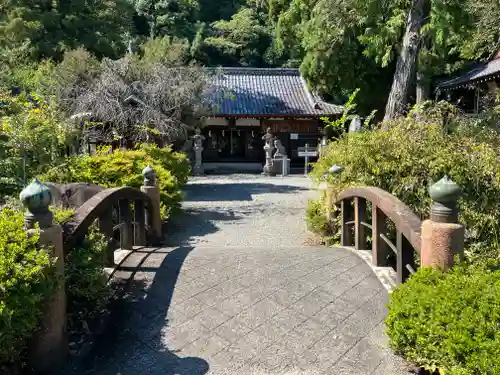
(36, 197)
(149, 176)
(445, 190)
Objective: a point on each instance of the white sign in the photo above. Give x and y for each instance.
(294, 136)
(308, 153)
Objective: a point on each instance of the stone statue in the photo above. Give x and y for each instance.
(268, 137)
(280, 150)
(198, 139)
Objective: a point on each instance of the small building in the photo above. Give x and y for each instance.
(244, 102)
(468, 89)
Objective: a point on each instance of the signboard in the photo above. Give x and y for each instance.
(294, 136)
(308, 153)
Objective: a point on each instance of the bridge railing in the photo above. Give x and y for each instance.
(435, 241)
(127, 217)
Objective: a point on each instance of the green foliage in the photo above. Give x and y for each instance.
(339, 124)
(32, 138)
(318, 223)
(243, 40)
(26, 279)
(321, 36)
(165, 17)
(37, 29)
(421, 149)
(448, 321)
(123, 168)
(166, 51)
(87, 287)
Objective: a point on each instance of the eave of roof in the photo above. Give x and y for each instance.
(481, 72)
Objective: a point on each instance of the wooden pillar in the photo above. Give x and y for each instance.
(360, 216)
(380, 250)
(140, 223)
(405, 258)
(126, 232)
(106, 228)
(346, 238)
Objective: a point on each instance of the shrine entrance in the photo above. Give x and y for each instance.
(232, 145)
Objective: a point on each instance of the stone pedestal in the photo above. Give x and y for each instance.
(153, 192)
(49, 347)
(268, 167)
(278, 166)
(440, 243)
(156, 224)
(198, 162)
(442, 235)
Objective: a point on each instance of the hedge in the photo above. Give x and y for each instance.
(448, 321)
(124, 167)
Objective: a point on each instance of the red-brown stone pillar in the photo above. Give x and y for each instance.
(49, 347)
(152, 191)
(442, 235)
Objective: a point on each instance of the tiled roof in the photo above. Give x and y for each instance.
(266, 92)
(480, 72)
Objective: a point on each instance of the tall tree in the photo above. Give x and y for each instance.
(46, 29)
(418, 16)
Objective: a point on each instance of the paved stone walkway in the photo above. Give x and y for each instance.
(237, 292)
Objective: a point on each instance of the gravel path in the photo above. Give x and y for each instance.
(243, 210)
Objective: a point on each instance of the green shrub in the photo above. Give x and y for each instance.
(87, 287)
(416, 151)
(26, 279)
(33, 136)
(123, 168)
(448, 321)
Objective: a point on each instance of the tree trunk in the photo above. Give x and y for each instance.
(407, 60)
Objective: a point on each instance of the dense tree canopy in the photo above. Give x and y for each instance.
(339, 45)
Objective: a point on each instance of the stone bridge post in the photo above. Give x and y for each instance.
(152, 191)
(442, 235)
(49, 348)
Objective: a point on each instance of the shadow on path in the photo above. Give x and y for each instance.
(210, 192)
(195, 222)
(133, 342)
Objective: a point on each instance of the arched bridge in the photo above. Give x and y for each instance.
(239, 289)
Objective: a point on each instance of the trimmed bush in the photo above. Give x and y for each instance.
(448, 321)
(413, 153)
(26, 279)
(123, 168)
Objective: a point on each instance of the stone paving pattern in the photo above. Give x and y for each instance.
(237, 292)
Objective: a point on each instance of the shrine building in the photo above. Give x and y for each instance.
(244, 102)
(475, 87)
